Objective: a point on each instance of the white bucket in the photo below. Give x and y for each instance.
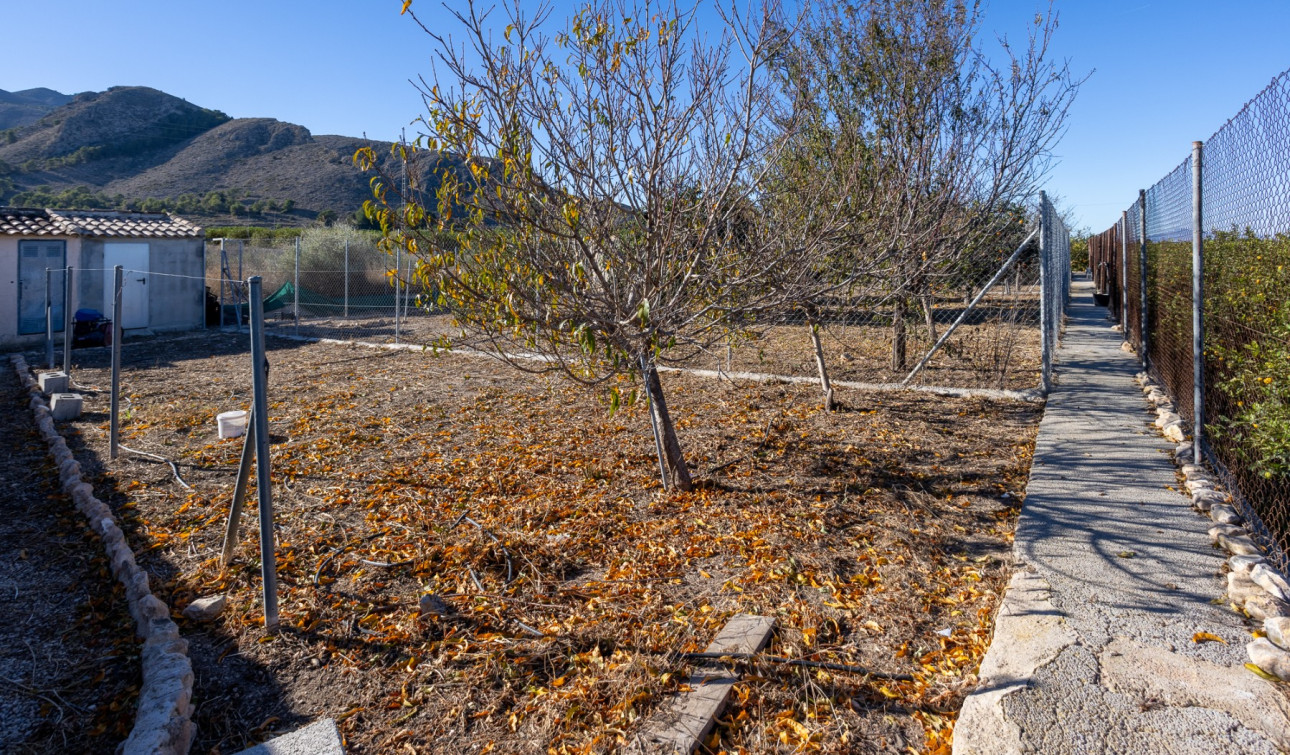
(231, 424)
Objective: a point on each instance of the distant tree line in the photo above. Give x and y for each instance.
(229, 202)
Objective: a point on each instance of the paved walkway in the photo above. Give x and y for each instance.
(1093, 649)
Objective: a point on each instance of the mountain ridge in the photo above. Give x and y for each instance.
(140, 148)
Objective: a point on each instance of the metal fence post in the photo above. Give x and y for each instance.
(68, 298)
(114, 426)
(263, 483)
(1045, 298)
(346, 279)
(223, 265)
(49, 317)
(1197, 301)
(398, 264)
(296, 287)
(1144, 336)
(1124, 273)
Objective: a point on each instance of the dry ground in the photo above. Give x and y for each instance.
(69, 660)
(877, 536)
(998, 346)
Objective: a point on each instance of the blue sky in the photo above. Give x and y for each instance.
(1164, 72)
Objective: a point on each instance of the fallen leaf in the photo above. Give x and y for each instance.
(1126, 554)
(1261, 673)
(1207, 637)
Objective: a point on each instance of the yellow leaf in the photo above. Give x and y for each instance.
(1261, 673)
(406, 4)
(1207, 637)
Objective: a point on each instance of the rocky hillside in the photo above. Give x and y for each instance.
(28, 106)
(139, 148)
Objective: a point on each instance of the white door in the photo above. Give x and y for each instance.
(33, 258)
(134, 292)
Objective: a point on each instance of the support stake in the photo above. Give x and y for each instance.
(968, 310)
(233, 530)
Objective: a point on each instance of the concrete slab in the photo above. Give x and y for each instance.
(1114, 574)
(318, 738)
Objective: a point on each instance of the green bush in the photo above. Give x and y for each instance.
(1247, 324)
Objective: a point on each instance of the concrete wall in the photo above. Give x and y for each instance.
(174, 303)
(9, 337)
(176, 287)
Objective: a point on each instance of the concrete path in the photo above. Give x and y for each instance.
(1114, 574)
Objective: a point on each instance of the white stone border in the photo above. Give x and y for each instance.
(1253, 587)
(163, 721)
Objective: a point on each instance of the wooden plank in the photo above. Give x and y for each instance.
(688, 718)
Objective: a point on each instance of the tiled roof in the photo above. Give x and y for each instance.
(24, 222)
(95, 224)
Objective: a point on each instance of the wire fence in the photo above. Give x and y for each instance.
(1236, 203)
(965, 318)
(323, 284)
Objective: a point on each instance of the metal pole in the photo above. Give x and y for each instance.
(1197, 301)
(398, 263)
(49, 317)
(346, 279)
(241, 251)
(296, 286)
(114, 427)
(263, 484)
(68, 298)
(206, 288)
(1144, 337)
(223, 265)
(1045, 298)
(239, 491)
(1124, 273)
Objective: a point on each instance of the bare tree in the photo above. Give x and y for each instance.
(949, 139)
(608, 219)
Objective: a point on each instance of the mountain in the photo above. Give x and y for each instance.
(140, 148)
(28, 106)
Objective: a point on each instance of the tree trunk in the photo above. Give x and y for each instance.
(926, 301)
(898, 334)
(665, 433)
(820, 365)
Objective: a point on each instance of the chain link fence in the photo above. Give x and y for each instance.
(326, 283)
(1244, 312)
(1104, 252)
(963, 318)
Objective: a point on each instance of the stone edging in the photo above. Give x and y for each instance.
(163, 721)
(1254, 588)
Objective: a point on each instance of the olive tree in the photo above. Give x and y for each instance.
(608, 218)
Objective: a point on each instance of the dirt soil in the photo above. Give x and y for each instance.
(69, 660)
(473, 559)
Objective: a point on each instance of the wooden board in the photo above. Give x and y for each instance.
(687, 719)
